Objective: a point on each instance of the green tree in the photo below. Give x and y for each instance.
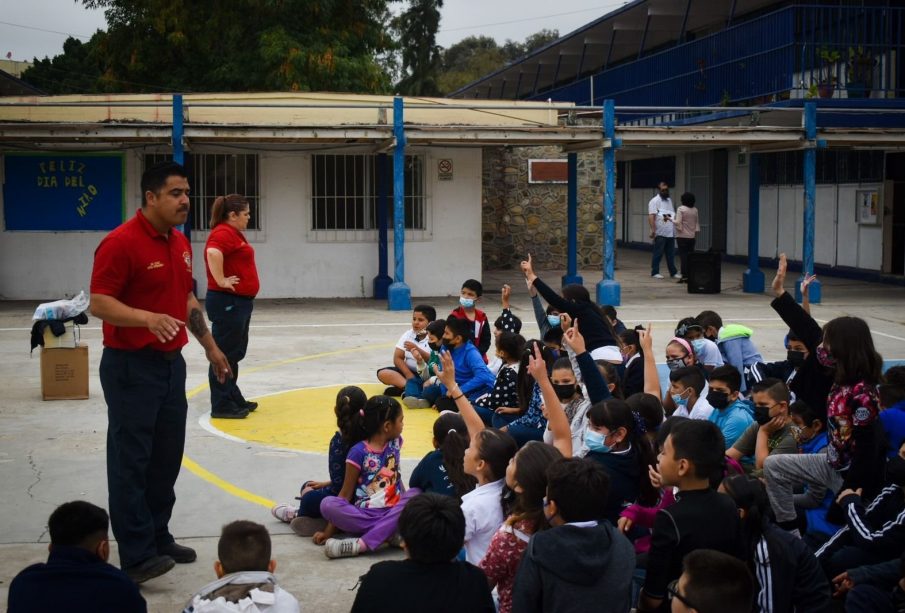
(76, 70)
(243, 45)
(468, 60)
(417, 27)
(513, 50)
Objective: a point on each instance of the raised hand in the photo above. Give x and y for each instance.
(780, 277)
(447, 372)
(506, 293)
(537, 367)
(565, 321)
(575, 339)
(646, 339)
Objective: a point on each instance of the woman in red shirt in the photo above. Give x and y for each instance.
(232, 284)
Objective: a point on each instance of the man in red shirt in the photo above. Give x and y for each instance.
(141, 287)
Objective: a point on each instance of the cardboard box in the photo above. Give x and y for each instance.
(68, 340)
(64, 373)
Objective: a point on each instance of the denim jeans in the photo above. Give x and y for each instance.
(661, 244)
(230, 317)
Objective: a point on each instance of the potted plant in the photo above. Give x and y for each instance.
(859, 72)
(827, 74)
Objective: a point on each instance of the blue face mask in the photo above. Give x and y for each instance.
(680, 401)
(595, 441)
(466, 302)
(553, 320)
(698, 345)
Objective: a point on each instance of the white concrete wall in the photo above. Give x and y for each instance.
(839, 241)
(49, 265)
(638, 199)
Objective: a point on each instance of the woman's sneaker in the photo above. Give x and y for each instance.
(342, 548)
(284, 512)
(307, 526)
(414, 402)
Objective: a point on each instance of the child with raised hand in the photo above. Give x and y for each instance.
(529, 425)
(372, 497)
(485, 459)
(576, 301)
(305, 518)
(615, 439)
(526, 484)
(787, 574)
(442, 471)
(504, 395)
(686, 388)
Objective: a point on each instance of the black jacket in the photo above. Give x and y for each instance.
(788, 576)
(74, 579)
(592, 323)
(812, 382)
(570, 569)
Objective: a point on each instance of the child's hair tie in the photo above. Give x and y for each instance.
(361, 412)
(451, 430)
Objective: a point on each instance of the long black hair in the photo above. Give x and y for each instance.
(525, 382)
(531, 463)
(350, 401)
(614, 414)
(376, 412)
(451, 435)
(751, 497)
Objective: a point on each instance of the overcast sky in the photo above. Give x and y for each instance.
(37, 28)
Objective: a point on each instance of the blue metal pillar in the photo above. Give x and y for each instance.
(753, 278)
(179, 153)
(571, 275)
(810, 190)
(609, 290)
(382, 281)
(399, 294)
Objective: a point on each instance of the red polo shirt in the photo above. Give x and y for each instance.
(145, 270)
(238, 260)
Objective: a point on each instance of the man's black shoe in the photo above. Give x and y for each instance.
(180, 553)
(229, 411)
(150, 568)
(250, 406)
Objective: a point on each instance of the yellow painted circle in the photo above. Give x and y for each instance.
(303, 420)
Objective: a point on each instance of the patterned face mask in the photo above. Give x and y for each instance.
(825, 357)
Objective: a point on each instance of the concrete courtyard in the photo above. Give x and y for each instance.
(54, 451)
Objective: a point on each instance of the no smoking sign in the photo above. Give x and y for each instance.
(445, 170)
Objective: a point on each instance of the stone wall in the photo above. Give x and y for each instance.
(519, 217)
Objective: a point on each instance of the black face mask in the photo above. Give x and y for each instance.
(564, 391)
(434, 346)
(761, 415)
(718, 400)
(895, 471)
(795, 358)
(448, 343)
(664, 194)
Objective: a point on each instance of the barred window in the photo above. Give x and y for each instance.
(217, 174)
(832, 166)
(345, 190)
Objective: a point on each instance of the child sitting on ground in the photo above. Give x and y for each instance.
(528, 423)
(245, 580)
(485, 459)
(402, 376)
(426, 363)
(771, 432)
(509, 349)
(734, 342)
(441, 470)
(700, 518)
(472, 375)
(506, 322)
(582, 563)
(809, 432)
(372, 497)
(432, 528)
(77, 576)
(685, 387)
(305, 518)
(731, 414)
(471, 293)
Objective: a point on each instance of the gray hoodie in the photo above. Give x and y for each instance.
(569, 568)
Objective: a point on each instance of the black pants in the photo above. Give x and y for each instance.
(230, 317)
(146, 412)
(686, 246)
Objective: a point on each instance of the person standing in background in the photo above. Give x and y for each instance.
(232, 284)
(687, 227)
(661, 216)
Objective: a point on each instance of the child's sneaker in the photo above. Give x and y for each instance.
(284, 512)
(342, 548)
(414, 402)
(307, 526)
